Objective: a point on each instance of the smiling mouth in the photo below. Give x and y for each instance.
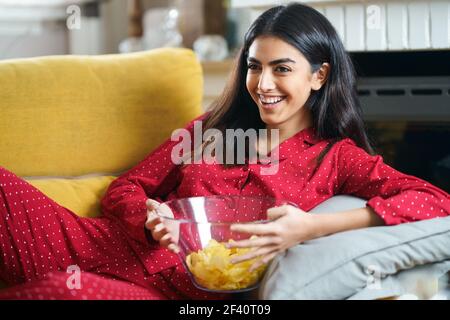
(270, 102)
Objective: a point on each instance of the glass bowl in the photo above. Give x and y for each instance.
(201, 228)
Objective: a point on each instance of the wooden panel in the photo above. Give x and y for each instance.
(397, 26)
(337, 17)
(354, 27)
(419, 25)
(440, 25)
(376, 26)
(388, 25)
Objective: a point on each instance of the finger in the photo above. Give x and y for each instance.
(159, 231)
(166, 237)
(152, 204)
(160, 227)
(255, 242)
(277, 212)
(252, 254)
(152, 220)
(254, 228)
(264, 260)
(174, 248)
(166, 240)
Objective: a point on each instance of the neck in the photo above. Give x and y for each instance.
(287, 130)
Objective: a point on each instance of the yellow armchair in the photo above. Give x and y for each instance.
(70, 124)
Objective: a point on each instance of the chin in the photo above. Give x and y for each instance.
(269, 119)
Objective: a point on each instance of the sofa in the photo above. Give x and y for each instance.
(70, 124)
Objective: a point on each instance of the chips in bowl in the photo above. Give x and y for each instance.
(201, 228)
(212, 268)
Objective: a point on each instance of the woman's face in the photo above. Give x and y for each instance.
(280, 80)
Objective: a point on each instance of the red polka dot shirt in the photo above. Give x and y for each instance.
(346, 169)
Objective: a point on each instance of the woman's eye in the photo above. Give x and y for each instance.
(252, 66)
(282, 69)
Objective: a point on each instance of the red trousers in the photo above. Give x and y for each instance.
(48, 252)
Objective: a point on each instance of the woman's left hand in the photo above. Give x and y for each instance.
(289, 226)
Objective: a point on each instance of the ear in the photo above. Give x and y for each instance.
(320, 76)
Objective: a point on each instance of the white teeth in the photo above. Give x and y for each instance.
(270, 99)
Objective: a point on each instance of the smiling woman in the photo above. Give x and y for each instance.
(292, 75)
(280, 80)
(293, 55)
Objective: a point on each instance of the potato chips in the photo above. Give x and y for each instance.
(212, 268)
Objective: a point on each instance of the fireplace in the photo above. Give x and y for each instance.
(406, 101)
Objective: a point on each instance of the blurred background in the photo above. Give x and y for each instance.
(401, 51)
(42, 27)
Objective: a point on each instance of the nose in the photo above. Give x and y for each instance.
(266, 81)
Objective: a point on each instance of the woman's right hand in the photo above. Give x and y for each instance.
(164, 231)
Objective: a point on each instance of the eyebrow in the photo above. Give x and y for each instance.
(272, 63)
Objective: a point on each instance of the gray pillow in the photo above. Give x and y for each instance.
(367, 263)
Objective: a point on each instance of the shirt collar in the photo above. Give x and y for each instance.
(305, 136)
(308, 135)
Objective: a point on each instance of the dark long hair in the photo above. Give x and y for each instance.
(335, 109)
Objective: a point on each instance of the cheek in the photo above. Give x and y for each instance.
(251, 83)
(301, 94)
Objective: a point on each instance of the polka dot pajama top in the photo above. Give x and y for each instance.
(40, 239)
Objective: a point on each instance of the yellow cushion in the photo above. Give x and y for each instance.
(75, 115)
(81, 195)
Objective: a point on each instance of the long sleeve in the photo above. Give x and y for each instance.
(154, 177)
(394, 196)
(125, 199)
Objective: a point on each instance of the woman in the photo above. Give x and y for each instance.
(294, 75)
(293, 78)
